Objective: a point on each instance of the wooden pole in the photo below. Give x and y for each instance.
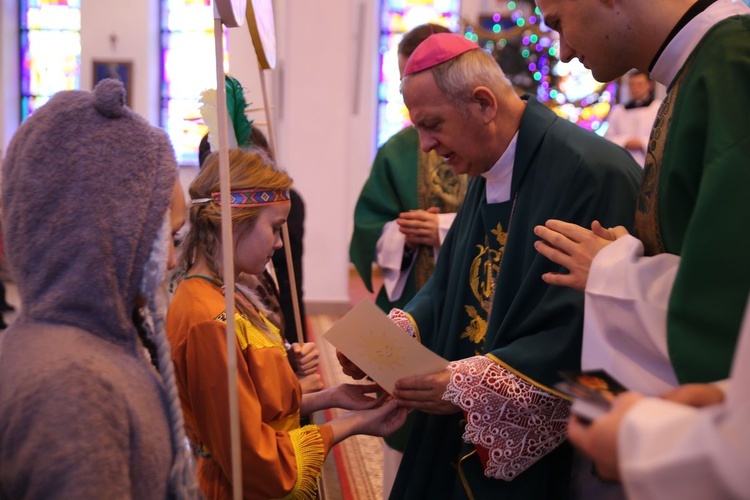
(227, 257)
(284, 228)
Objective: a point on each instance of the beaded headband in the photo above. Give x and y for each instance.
(244, 198)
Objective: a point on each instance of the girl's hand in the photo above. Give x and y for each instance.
(304, 358)
(381, 421)
(311, 383)
(353, 396)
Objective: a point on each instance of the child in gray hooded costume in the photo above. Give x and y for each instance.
(83, 414)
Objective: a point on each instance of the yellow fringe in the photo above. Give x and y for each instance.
(308, 448)
(249, 335)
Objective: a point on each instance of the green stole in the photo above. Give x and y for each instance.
(438, 186)
(647, 212)
(483, 273)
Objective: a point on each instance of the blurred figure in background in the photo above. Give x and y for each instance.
(630, 124)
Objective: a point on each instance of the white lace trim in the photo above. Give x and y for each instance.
(401, 319)
(516, 421)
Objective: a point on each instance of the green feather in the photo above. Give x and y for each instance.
(236, 106)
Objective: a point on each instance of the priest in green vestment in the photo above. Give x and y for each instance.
(403, 178)
(663, 306)
(491, 426)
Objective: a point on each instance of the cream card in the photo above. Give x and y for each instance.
(380, 348)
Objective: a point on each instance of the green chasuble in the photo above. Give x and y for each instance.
(696, 200)
(402, 179)
(486, 296)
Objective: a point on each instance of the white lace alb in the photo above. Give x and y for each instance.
(516, 421)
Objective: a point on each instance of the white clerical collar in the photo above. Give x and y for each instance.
(500, 175)
(682, 45)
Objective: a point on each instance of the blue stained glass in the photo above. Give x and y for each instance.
(50, 42)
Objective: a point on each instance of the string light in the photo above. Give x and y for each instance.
(538, 51)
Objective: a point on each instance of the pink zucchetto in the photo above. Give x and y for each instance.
(437, 49)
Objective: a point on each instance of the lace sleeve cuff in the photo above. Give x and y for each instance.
(512, 421)
(310, 454)
(404, 321)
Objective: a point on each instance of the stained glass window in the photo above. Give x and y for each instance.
(188, 68)
(50, 50)
(396, 18)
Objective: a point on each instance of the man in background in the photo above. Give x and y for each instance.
(630, 124)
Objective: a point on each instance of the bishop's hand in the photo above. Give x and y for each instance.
(348, 367)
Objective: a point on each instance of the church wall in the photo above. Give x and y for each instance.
(323, 96)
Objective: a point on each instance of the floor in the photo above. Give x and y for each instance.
(353, 470)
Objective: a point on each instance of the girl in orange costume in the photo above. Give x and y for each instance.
(279, 458)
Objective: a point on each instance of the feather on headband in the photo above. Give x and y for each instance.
(239, 126)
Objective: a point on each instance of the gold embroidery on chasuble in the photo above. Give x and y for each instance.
(437, 186)
(647, 227)
(482, 277)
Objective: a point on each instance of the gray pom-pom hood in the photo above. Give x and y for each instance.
(86, 184)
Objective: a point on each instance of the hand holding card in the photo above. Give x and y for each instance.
(379, 348)
(592, 392)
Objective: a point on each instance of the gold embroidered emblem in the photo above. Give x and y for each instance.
(477, 328)
(482, 277)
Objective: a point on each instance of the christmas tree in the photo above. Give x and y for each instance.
(527, 51)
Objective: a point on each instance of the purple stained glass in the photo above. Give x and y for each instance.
(188, 68)
(396, 18)
(50, 42)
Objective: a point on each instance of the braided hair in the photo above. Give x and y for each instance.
(150, 324)
(250, 168)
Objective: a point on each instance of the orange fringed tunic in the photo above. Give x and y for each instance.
(280, 459)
